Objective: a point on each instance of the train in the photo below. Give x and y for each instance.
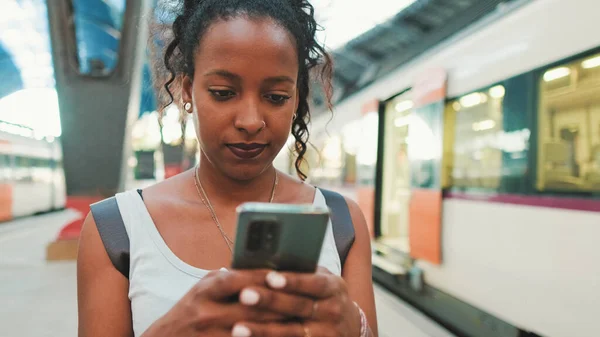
(505, 240)
(32, 179)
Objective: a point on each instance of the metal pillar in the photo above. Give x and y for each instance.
(97, 111)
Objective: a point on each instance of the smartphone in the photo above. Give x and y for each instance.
(281, 237)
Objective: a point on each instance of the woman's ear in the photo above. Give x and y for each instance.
(186, 90)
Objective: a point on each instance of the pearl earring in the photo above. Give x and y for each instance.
(188, 106)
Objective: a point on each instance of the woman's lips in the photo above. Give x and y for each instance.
(246, 150)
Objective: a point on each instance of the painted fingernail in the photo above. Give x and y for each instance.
(249, 297)
(276, 280)
(241, 331)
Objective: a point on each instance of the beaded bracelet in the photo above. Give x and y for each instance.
(364, 324)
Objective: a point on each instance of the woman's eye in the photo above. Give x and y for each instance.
(277, 99)
(222, 94)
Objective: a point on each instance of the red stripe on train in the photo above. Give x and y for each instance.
(6, 201)
(576, 204)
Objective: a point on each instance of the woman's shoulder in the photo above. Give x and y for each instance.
(294, 191)
(171, 189)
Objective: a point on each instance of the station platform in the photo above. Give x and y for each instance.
(39, 298)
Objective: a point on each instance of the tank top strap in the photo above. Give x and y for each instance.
(142, 231)
(129, 208)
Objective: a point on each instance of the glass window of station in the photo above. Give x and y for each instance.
(569, 127)
(98, 26)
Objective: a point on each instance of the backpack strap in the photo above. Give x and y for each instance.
(112, 231)
(341, 222)
(114, 236)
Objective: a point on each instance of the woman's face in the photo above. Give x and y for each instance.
(244, 93)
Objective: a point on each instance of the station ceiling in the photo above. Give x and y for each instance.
(25, 59)
(409, 33)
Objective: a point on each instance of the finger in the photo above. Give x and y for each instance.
(252, 329)
(279, 302)
(323, 270)
(237, 312)
(317, 285)
(226, 315)
(223, 285)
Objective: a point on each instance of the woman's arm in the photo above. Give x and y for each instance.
(102, 291)
(205, 310)
(357, 271)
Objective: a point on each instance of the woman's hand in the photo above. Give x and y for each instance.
(211, 308)
(319, 301)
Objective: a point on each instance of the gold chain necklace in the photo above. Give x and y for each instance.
(204, 197)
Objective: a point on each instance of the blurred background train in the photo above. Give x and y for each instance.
(520, 170)
(31, 176)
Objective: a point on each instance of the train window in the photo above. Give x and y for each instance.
(396, 174)
(569, 127)
(7, 167)
(478, 137)
(324, 160)
(366, 152)
(41, 163)
(350, 146)
(23, 169)
(4, 167)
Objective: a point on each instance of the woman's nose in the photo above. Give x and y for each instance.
(250, 120)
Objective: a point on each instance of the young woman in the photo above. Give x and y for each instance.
(244, 69)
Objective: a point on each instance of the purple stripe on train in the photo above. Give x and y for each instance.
(578, 204)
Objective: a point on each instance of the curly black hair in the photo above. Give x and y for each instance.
(193, 17)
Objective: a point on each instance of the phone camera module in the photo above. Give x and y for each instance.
(263, 237)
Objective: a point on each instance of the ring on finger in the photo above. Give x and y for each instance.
(315, 306)
(306, 331)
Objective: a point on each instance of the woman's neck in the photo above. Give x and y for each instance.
(230, 192)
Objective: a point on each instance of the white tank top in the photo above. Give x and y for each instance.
(158, 278)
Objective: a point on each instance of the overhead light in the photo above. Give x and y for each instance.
(132, 162)
(172, 113)
(456, 106)
(591, 62)
(484, 125)
(402, 121)
(556, 73)
(497, 91)
(404, 106)
(472, 100)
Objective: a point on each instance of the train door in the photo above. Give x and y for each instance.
(5, 187)
(396, 177)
